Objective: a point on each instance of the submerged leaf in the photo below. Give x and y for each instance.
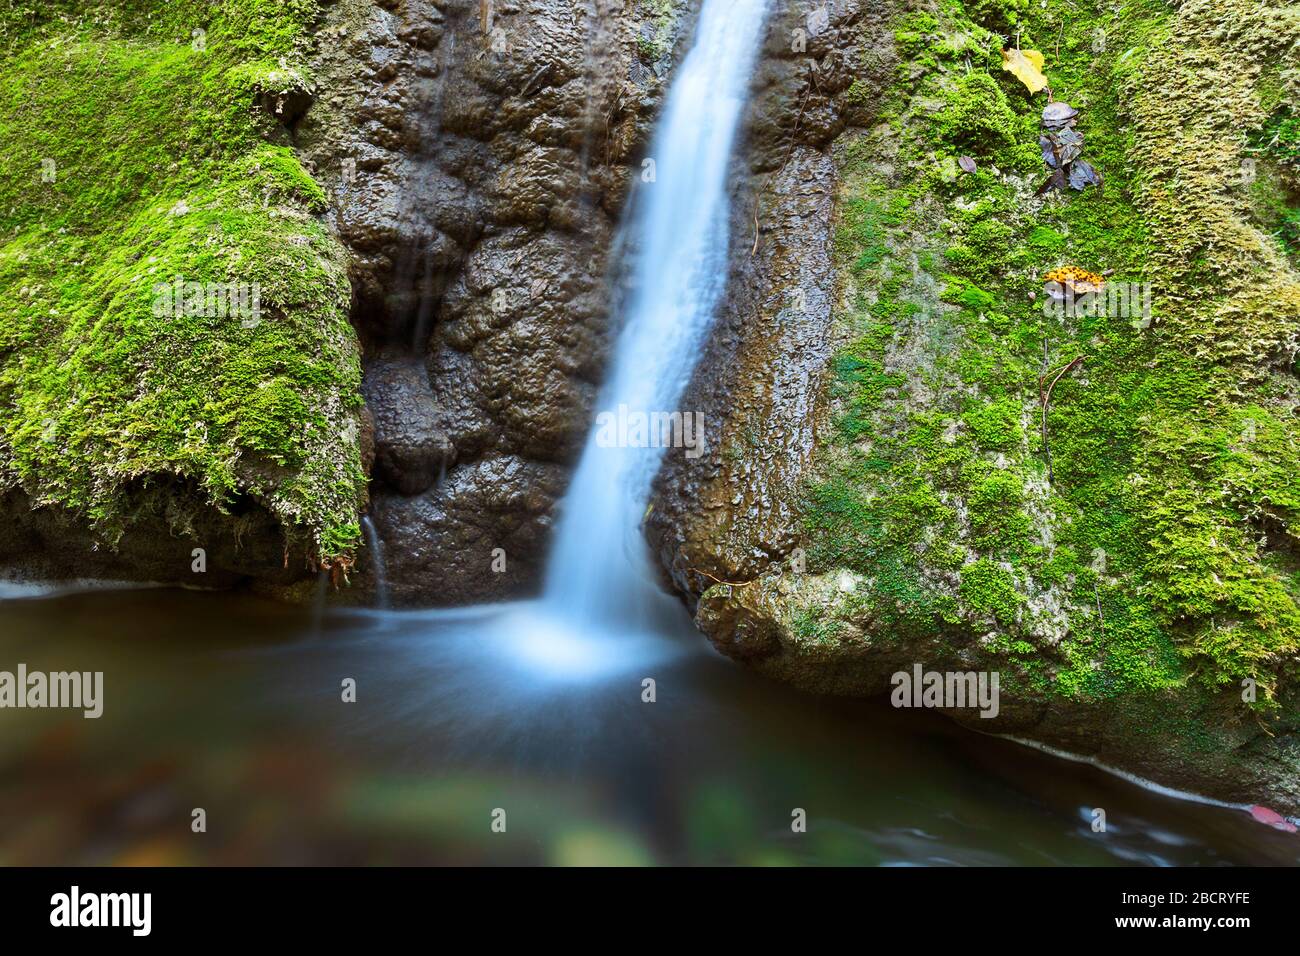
(1272, 818)
(967, 164)
(1027, 65)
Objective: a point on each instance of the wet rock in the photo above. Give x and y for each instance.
(733, 512)
(480, 534)
(287, 106)
(410, 449)
(478, 172)
(172, 539)
(727, 528)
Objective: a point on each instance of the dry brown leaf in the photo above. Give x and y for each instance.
(1027, 65)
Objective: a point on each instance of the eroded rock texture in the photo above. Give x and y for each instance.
(732, 513)
(479, 154)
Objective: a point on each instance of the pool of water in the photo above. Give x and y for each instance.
(467, 719)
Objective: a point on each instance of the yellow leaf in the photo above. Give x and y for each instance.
(1027, 65)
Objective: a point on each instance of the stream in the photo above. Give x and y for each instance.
(233, 704)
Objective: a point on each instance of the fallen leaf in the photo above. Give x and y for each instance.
(1027, 65)
(1055, 181)
(1272, 818)
(1058, 114)
(1068, 152)
(967, 164)
(1049, 151)
(1082, 175)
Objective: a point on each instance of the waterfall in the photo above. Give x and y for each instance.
(599, 576)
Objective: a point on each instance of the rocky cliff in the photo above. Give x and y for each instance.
(423, 195)
(480, 154)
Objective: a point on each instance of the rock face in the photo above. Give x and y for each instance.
(734, 513)
(885, 484)
(479, 154)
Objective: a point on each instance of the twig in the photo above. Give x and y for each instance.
(1045, 397)
(733, 584)
(1042, 375)
(1100, 618)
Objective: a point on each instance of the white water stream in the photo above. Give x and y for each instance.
(599, 577)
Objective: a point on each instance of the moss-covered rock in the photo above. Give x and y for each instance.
(1097, 503)
(174, 313)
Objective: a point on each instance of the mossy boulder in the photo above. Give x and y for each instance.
(1097, 503)
(175, 316)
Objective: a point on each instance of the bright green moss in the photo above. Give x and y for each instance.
(962, 292)
(1280, 137)
(989, 589)
(1164, 535)
(977, 117)
(1045, 243)
(915, 33)
(157, 167)
(995, 425)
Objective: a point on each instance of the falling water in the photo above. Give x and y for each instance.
(376, 548)
(599, 574)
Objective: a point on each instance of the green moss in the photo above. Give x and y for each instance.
(998, 14)
(915, 33)
(1045, 243)
(816, 628)
(961, 292)
(1280, 137)
(989, 589)
(977, 116)
(157, 165)
(661, 25)
(1164, 538)
(995, 425)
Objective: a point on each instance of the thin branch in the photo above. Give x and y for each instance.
(734, 584)
(789, 154)
(1045, 398)
(1100, 618)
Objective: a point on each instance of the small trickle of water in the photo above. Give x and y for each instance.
(599, 575)
(376, 548)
